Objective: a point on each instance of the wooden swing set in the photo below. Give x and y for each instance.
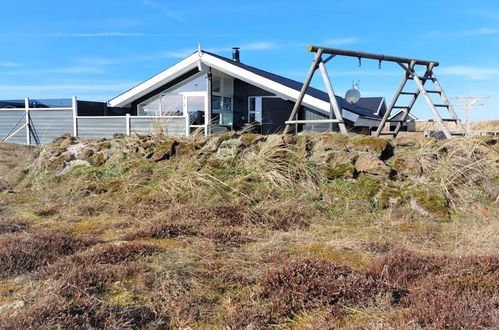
(409, 67)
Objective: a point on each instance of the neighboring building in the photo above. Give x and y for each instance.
(202, 92)
(408, 126)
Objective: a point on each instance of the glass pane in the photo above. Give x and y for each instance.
(196, 85)
(150, 107)
(172, 105)
(226, 118)
(195, 103)
(216, 102)
(252, 104)
(227, 104)
(252, 117)
(216, 82)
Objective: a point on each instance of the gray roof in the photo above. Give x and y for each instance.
(296, 85)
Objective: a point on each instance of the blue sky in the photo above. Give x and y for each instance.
(97, 49)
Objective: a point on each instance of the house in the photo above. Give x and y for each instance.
(408, 125)
(218, 94)
(204, 92)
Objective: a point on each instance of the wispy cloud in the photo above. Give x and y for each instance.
(341, 41)
(94, 35)
(76, 87)
(470, 72)
(164, 9)
(63, 70)
(9, 64)
(485, 31)
(177, 54)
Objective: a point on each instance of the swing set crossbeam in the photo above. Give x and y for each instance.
(408, 65)
(372, 56)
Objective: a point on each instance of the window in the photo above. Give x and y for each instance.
(221, 99)
(216, 102)
(172, 105)
(216, 83)
(254, 109)
(190, 95)
(151, 107)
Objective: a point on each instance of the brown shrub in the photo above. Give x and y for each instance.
(309, 283)
(71, 298)
(403, 268)
(80, 313)
(110, 254)
(46, 211)
(24, 252)
(12, 226)
(227, 236)
(433, 304)
(162, 229)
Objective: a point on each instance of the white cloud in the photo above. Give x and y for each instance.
(470, 72)
(341, 41)
(164, 9)
(93, 35)
(466, 33)
(63, 70)
(62, 90)
(261, 45)
(9, 64)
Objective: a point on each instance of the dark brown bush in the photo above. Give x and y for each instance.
(110, 254)
(227, 237)
(80, 313)
(46, 211)
(403, 268)
(434, 304)
(163, 229)
(70, 299)
(25, 252)
(309, 283)
(11, 226)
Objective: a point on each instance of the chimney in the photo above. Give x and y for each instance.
(235, 54)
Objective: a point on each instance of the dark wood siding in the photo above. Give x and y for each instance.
(242, 91)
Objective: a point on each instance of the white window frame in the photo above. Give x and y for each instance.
(223, 94)
(258, 112)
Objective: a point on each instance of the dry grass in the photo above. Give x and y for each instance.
(250, 231)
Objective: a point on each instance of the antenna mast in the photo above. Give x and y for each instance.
(469, 101)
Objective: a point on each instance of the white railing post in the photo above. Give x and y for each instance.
(28, 131)
(75, 115)
(127, 124)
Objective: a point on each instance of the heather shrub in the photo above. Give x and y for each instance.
(25, 252)
(309, 283)
(8, 225)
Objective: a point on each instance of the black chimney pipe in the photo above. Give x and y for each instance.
(235, 54)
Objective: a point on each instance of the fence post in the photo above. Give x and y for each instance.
(28, 131)
(75, 114)
(127, 125)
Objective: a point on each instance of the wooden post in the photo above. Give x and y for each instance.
(28, 126)
(392, 104)
(428, 100)
(304, 88)
(427, 74)
(75, 115)
(127, 124)
(453, 113)
(186, 115)
(207, 108)
(332, 100)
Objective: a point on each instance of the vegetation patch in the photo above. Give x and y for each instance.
(25, 252)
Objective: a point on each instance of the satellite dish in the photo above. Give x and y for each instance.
(353, 94)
